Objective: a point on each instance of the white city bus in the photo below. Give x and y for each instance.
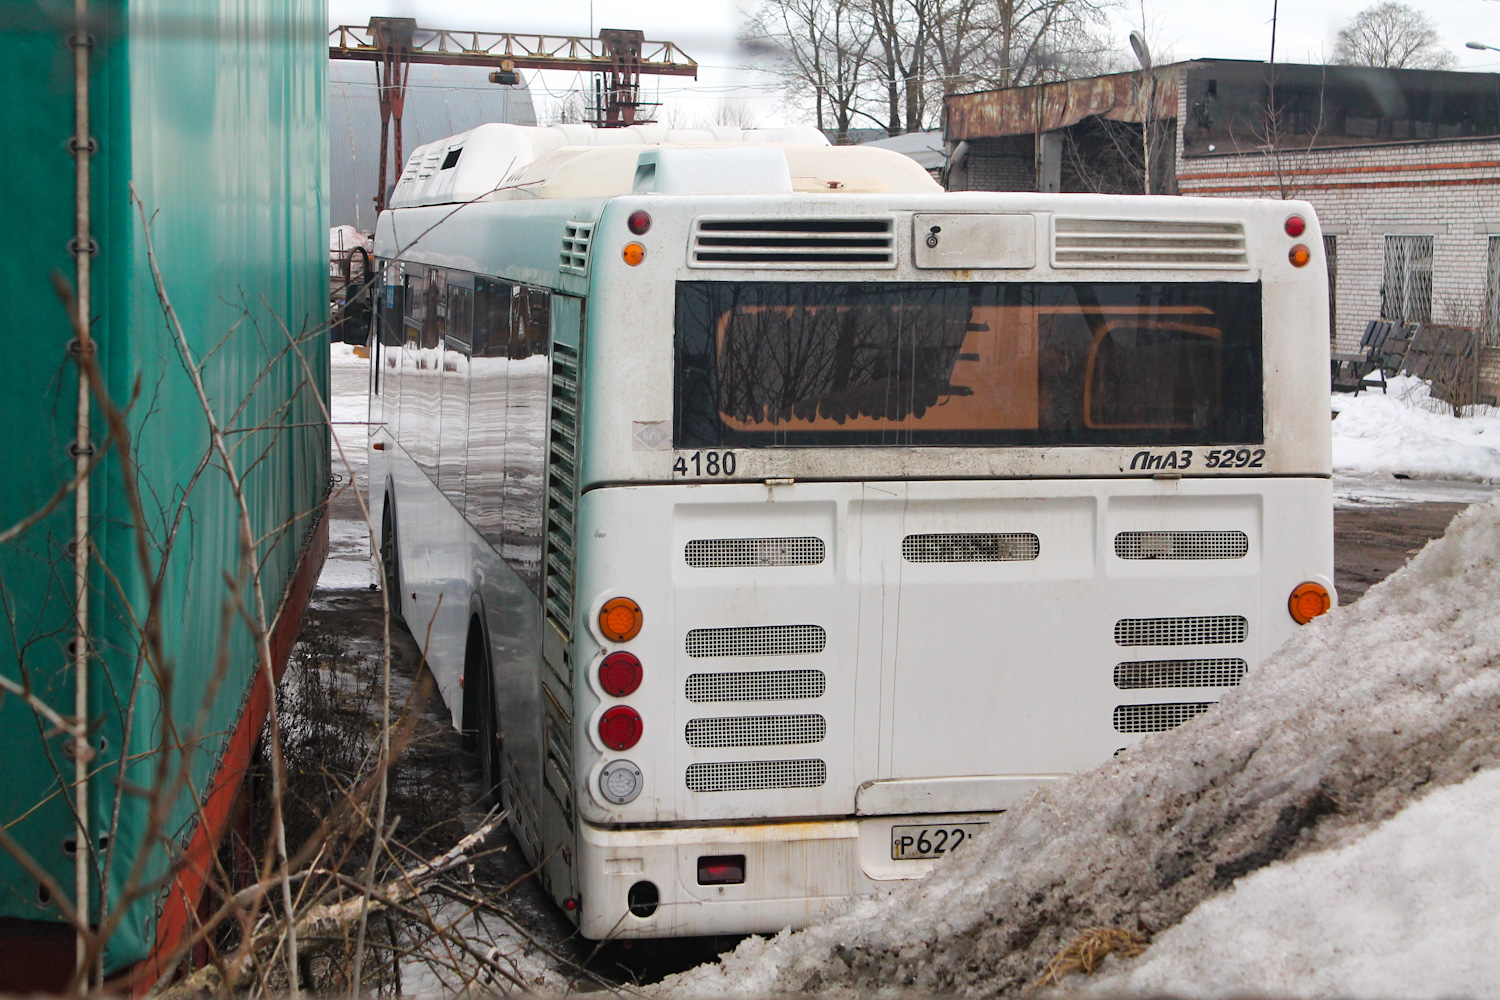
(774, 519)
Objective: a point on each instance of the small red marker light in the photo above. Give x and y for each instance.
(1295, 225)
(620, 727)
(570, 903)
(620, 674)
(638, 222)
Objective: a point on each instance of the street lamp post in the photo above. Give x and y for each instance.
(1480, 46)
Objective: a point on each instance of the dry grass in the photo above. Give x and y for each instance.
(1088, 951)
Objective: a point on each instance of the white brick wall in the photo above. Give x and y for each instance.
(1450, 190)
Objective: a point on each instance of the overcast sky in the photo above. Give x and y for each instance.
(706, 31)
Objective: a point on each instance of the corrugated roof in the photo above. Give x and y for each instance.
(440, 101)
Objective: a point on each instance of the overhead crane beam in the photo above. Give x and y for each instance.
(395, 43)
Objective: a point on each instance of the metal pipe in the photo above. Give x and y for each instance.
(83, 251)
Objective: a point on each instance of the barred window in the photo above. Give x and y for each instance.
(1406, 294)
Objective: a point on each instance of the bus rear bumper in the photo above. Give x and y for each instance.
(793, 874)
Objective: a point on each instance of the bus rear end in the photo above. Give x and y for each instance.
(893, 510)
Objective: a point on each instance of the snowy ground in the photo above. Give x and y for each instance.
(349, 566)
(1406, 432)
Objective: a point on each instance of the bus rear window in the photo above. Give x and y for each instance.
(802, 363)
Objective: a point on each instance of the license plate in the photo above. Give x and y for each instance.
(911, 842)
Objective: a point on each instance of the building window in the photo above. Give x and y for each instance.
(1331, 255)
(1406, 295)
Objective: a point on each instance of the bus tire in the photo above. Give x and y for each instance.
(390, 558)
(481, 726)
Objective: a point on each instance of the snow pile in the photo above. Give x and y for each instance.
(1371, 707)
(1408, 910)
(1406, 431)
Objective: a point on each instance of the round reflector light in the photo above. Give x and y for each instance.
(620, 782)
(633, 253)
(620, 727)
(1295, 225)
(1308, 601)
(639, 221)
(620, 674)
(1299, 255)
(620, 619)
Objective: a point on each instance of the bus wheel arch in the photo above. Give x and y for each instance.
(390, 553)
(481, 730)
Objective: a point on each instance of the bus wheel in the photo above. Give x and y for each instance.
(390, 559)
(482, 721)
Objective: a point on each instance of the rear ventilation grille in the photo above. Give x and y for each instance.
(1220, 672)
(757, 731)
(721, 552)
(1020, 546)
(782, 243)
(1201, 631)
(562, 489)
(757, 685)
(1157, 718)
(574, 258)
(756, 640)
(1125, 243)
(1181, 544)
(748, 775)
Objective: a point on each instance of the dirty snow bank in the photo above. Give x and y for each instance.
(1371, 707)
(1406, 431)
(1406, 911)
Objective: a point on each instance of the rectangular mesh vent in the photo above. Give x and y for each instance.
(1198, 631)
(1181, 544)
(781, 243)
(756, 640)
(756, 731)
(574, 258)
(1016, 546)
(1157, 718)
(747, 775)
(1218, 672)
(757, 685)
(721, 552)
(562, 491)
(1124, 243)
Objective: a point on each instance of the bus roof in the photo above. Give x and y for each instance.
(498, 162)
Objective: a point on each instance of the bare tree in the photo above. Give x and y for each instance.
(822, 47)
(1392, 35)
(888, 62)
(733, 112)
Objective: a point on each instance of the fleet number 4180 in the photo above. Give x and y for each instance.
(706, 463)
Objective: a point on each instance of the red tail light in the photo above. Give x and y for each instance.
(638, 222)
(721, 869)
(620, 674)
(620, 727)
(1295, 225)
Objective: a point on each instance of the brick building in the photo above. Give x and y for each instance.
(1403, 166)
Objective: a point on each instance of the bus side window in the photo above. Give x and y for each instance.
(415, 306)
(392, 306)
(526, 409)
(435, 327)
(484, 475)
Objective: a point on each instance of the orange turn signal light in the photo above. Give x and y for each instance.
(633, 253)
(620, 619)
(1299, 255)
(1308, 601)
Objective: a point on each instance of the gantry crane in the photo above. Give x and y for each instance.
(394, 43)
